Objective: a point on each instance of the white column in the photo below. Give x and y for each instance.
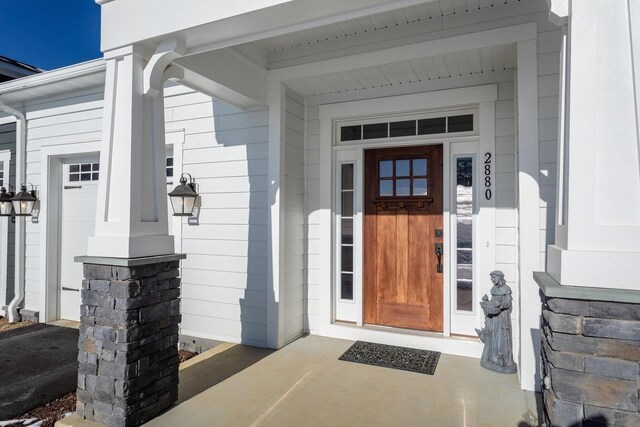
(132, 201)
(528, 212)
(275, 294)
(598, 243)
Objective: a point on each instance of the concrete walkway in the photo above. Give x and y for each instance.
(37, 365)
(304, 384)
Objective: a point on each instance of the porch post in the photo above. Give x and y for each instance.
(591, 291)
(128, 370)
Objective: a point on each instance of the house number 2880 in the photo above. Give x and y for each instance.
(487, 176)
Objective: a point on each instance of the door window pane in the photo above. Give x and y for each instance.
(419, 167)
(403, 187)
(405, 128)
(464, 234)
(386, 187)
(402, 168)
(462, 123)
(420, 187)
(346, 231)
(431, 126)
(351, 133)
(386, 168)
(377, 130)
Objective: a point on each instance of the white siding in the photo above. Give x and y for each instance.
(65, 120)
(224, 277)
(294, 217)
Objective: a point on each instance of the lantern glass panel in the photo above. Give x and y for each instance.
(6, 207)
(23, 207)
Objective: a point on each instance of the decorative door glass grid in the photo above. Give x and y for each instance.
(346, 231)
(464, 234)
(84, 172)
(403, 177)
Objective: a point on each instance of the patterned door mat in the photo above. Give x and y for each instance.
(390, 356)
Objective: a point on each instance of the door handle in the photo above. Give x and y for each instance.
(64, 288)
(439, 253)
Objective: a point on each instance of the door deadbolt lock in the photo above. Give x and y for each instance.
(439, 233)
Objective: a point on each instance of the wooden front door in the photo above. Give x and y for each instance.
(403, 286)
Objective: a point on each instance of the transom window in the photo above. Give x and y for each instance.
(403, 177)
(395, 129)
(84, 172)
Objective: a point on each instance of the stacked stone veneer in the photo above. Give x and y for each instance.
(128, 343)
(590, 362)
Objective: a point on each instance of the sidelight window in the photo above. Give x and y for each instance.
(346, 231)
(464, 233)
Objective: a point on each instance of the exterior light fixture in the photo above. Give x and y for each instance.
(6, 205)
(24, 201)
(183, 197)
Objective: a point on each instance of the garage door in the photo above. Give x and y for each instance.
(78, 220)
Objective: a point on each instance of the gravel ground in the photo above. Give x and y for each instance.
(53, 411)
(6, 326)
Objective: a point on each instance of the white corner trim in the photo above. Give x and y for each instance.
(462, 43)
(419, 101)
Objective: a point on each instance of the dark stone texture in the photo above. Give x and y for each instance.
(563, 323)
(568, 306)
(128, 344)
(561, 413)
(590, 362)
(611, 328)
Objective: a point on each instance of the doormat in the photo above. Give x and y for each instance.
(390, 356)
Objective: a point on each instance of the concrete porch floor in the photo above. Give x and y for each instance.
(305, 384)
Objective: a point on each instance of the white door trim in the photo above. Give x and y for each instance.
(484, 98)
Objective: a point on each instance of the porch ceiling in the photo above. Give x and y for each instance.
(478, 61)
(377, 22)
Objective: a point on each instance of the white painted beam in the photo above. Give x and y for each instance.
(462, 43)
(230, 75)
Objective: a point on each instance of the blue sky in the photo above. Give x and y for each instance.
(50, 33)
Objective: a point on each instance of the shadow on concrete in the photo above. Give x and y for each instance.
(208, 372)
(37, 365)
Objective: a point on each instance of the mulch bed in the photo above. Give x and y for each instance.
(53, 411)
(5, 326)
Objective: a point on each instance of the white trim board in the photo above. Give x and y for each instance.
(404, 103)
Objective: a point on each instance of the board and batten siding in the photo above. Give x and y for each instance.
(294, 217)
(548, 46)
(224, 277)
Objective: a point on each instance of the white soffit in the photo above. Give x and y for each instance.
(479, 61)
(381, 21)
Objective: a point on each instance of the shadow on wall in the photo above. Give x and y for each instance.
(231, 129)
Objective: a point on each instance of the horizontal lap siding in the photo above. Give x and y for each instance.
(69, 120)
(224, 277)
(294, 221)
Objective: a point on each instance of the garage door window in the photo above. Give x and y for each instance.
(84, 172)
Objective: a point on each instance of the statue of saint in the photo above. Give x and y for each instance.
(496, 334)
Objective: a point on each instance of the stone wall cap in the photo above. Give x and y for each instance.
(552, 289)
(129, 262)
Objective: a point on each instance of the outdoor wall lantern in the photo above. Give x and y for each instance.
(24, 201)
(6, 205)
(183, 197)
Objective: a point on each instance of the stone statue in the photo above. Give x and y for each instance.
(496, 334)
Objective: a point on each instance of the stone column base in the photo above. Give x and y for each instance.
(590, 355)
(128, 345)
